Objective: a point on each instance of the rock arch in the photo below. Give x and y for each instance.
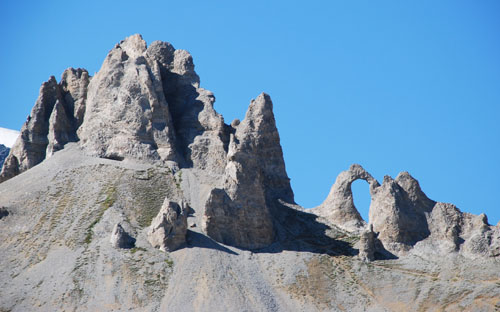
(338, 207)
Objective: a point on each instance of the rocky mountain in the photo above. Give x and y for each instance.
(128, 191)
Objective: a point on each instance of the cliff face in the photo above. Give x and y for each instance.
(155, 203)
(52, 123)
(403, 219)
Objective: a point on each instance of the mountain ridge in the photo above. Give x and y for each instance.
(157, 203)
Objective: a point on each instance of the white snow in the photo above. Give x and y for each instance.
(8, 136)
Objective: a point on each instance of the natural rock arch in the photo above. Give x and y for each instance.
(339, 206)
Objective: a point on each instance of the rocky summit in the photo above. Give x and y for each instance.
(126, 190)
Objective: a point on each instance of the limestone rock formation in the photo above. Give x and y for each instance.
(61, 130)
(153, 108)
(168, 229)
(367, 245)
(120, 238)
(479, 238)
(399, 211)
(144, 103)
(402, 218)
(249, 246)
(240, 214)
(52, 123)
(444, 226)
(123, 96)
(74, 83)
(339, 207)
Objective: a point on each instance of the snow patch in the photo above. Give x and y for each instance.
(8, 137)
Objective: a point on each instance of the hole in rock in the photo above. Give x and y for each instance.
(361, 197)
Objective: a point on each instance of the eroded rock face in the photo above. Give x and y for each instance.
(367, 245)
(61, 130)
(405, 218)
(51, 124)
(398, 212)
(444, 225)
(255, 179)
(168, 229)
(120, 238)
(146, 103)
(74, 83)
(125, 115)
(153, 108)
(339, 207)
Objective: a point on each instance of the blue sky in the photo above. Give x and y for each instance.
(391, 85)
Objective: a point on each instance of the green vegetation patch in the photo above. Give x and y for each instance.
(111, 196)
(136, 249)
(169, 262)
(148, 196)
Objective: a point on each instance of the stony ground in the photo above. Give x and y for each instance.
(56, 254)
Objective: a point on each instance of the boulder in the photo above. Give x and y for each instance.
(367, 245)
(120, 238)
(168, 229)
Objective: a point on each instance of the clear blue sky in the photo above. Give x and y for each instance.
(393, 85)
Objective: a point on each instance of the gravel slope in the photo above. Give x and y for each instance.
(56, 255)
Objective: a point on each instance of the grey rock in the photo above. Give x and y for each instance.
(444, 225)
(74, 83)
(120, 238)
(479, 239)
(52, 123)
(367, 245)
(153, 109)
(30, 147)
(235, 123)
(405, 218)
(398, 212)
(61, 130)
(200, 130)
(125, 115)
(241, 213)
(339, 207)
(258, 142)
(168, 229)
